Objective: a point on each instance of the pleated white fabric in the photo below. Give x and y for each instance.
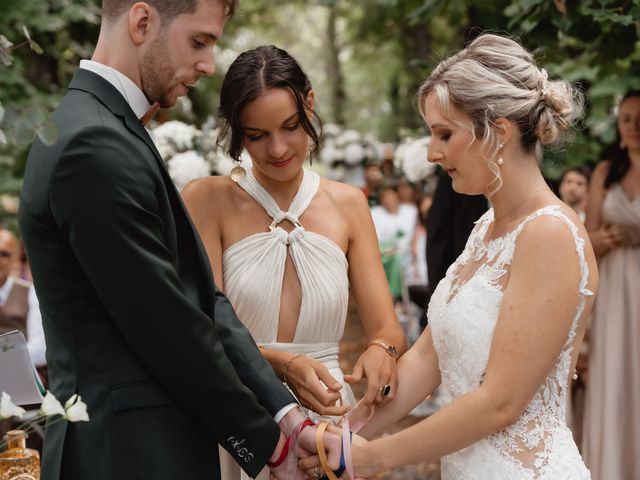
(253, 271)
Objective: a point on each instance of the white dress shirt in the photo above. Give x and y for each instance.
(134, 96)
(35, 334)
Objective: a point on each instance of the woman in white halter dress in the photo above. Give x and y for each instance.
(286, 246)
(505, 322)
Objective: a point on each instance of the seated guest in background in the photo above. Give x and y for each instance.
(19, 310)
(574, 189)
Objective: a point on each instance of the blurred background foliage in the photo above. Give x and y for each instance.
(365, 58)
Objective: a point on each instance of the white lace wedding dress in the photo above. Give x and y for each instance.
(462, 316)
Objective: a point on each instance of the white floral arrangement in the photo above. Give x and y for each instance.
(192, 153)
(74, 410)
(411, 158)
(348, 148)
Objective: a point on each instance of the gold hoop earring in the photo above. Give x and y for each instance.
(238, 172)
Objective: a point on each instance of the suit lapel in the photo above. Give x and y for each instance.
(109, 96)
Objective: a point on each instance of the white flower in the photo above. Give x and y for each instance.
(353, 154)
(328, 154)
(331, 130)
(347, 137)
(51, 406)
(71, 401)
(413, 158)
(187, 166)
(176, 133)
(165, 148)
(8, 409)
(77, 412)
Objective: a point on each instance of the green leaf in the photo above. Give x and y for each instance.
(26, 32)
(35, 47)
(1, 112)
(3, 138)
(48, 133)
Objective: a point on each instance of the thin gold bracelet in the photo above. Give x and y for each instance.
(287, 365)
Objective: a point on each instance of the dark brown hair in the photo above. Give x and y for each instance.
(168, 9)
(249, 75)
(619, 157)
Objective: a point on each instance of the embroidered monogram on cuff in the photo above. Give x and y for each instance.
(239, 450)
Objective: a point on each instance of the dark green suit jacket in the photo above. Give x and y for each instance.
(133, 321)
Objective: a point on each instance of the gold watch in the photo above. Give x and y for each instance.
(391, 350)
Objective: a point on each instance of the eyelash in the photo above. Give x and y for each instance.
(290, 128)
(198, 45)
(445, 137)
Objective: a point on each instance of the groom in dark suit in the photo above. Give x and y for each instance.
(133, 321)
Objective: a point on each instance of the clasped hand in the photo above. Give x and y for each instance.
(319, 391)
(304, 446)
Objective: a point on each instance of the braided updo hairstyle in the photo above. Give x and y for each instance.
(495, 77)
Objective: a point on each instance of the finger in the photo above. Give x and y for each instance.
(327, 378)
(316, 389)
(356, 375)
(372, 394)
(309, 462)
(312, 403)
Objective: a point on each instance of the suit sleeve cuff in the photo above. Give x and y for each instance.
(283, 411)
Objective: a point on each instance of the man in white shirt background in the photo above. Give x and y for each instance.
(19, 308)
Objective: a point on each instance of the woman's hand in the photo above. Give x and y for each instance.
(380, 370)
(314, 386)
(365, 465)
(622, 235)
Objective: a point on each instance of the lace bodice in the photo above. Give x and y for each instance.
(463, 315)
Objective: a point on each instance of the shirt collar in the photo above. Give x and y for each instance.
(5, 290)
(134, 96)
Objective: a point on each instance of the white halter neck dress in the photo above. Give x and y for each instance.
(253, 271)
(463, 315)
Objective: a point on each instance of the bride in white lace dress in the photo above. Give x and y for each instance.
(506, 321)
(286, 246)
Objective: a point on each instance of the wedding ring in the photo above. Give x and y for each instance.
(385, 390)
(317, 472)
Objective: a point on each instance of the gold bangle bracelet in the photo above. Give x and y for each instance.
(287, 365)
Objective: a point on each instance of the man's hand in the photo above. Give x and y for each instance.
(306, 443)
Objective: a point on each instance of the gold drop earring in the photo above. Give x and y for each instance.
(238, 172)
